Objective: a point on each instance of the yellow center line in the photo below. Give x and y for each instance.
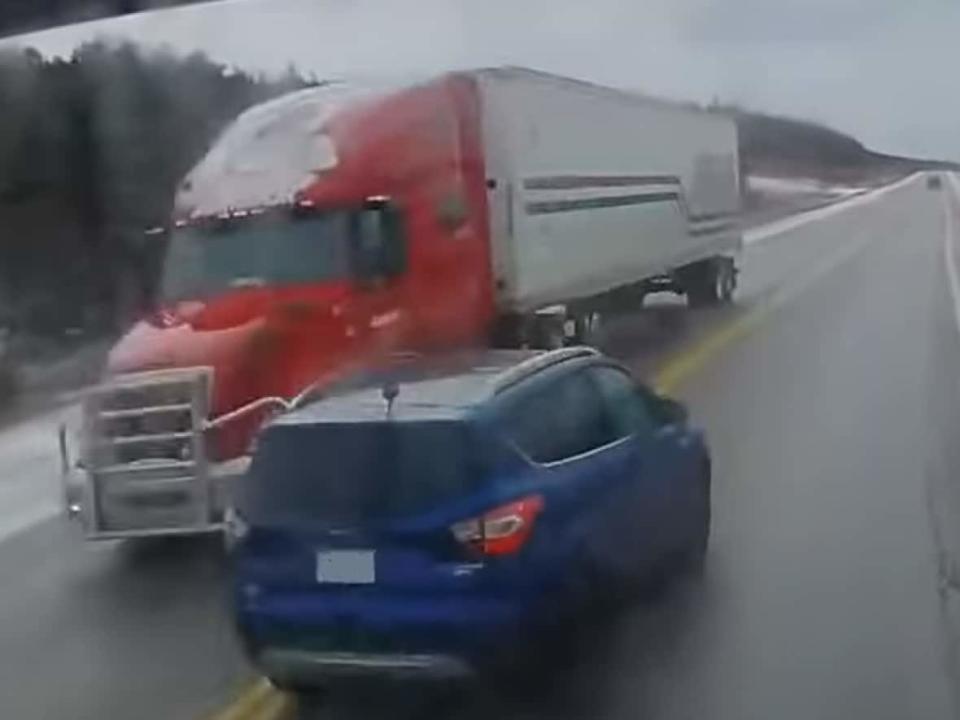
(259, 701)
(687, 362)
(674, 372)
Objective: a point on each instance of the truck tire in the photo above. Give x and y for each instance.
(700, 284)
(509, 333)
(540, 332)
(547, 332)
(727, 280)
(710, 282)
(588, 327)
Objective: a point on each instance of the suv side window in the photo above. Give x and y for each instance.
(563, 419)
(626, 412)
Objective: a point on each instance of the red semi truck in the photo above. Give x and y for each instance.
(330, 228)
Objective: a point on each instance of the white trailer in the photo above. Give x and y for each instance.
(600, 195)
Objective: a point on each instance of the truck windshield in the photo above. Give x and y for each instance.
(253, 252)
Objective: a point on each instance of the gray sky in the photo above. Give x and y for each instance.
(883, 70)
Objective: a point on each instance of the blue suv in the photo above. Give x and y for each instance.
(423, 528)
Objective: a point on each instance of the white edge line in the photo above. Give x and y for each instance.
(948, 250)
(778, 227)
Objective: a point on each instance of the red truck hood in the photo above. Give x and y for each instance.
(260, 341)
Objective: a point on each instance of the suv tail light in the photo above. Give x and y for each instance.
(501, 531)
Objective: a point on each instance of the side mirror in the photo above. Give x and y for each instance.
(664, 410)
(379, 246)
(672, 411)
(152, 252)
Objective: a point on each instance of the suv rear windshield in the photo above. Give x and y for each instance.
(273, 249)
(355, 472)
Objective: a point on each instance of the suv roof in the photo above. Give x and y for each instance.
(434, 390)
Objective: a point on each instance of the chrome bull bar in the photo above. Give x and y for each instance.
(143, 464)
(143, 467)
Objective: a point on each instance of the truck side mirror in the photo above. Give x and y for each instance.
(379, 245)
(152, 251)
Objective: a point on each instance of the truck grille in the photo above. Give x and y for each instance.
(144, 451)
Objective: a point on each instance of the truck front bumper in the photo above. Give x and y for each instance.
(79, 501)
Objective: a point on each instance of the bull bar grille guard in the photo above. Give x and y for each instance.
(143, 444)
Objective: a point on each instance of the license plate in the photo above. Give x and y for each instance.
(346, 567)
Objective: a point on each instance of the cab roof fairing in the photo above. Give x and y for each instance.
(270, 153)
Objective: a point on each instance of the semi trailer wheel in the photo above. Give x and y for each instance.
(726, 280)
(700, 283)
(587, 328)
(539, 332)
(709, 282)
(547, 332)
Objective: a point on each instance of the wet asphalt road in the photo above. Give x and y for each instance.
(823, 598)
(828, 594)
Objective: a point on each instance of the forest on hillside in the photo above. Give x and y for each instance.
(91, 150)
(780, 146)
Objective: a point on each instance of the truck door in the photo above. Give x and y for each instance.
(380, 318)
(451, 271)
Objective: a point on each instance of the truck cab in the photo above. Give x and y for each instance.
(323, 232)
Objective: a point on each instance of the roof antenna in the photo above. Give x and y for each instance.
(390, 391)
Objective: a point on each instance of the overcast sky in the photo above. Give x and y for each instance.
(883, 70)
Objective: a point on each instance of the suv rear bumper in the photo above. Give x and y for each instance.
(294, 667)
(451, 637)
